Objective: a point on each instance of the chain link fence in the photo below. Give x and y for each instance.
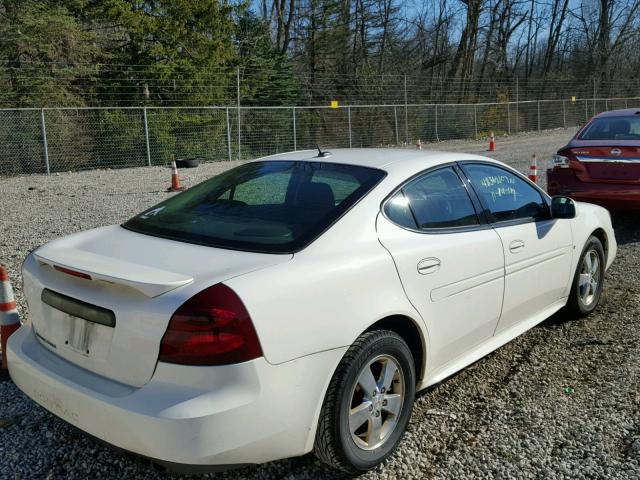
(51, 140)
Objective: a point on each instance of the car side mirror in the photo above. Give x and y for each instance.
(563, 207)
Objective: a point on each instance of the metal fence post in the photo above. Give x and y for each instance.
(517, 105)
(475, 120)
(606, 104)
(436, 117)
(349, 117)
(146, 135)
(538, 115)
(586, 111)
(395, 117)
(43, 126)
(238, 94)
(295, 135)
(626, 103)
(509, 117)
(594, 96)
(228, 135)
(564, 115)
(406, 112)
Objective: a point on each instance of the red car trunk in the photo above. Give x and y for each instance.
(619, 164)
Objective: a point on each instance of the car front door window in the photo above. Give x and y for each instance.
(506, 196)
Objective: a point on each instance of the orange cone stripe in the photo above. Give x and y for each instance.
(9, 329)
(5, 332)
(9, 317)
(6, 307)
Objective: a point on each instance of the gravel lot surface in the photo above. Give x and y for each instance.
(561, 401)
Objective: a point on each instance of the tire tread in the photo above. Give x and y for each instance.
(327, 445)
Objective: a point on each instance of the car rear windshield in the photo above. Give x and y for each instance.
(613, 128)
(273, 206)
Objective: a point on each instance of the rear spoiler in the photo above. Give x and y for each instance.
(147, 280)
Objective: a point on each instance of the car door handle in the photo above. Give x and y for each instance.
(428, 265)
(516, 246)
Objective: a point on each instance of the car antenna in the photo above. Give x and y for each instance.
(322, 154)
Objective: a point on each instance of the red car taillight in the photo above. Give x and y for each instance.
(559, 161)
(211, 328)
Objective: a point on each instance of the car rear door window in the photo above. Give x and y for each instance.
(435, 200)
(398, 211)
(507, 196)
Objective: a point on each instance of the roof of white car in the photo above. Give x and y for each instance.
(382, 158)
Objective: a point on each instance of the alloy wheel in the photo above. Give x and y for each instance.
(376, 402)
(590, 276)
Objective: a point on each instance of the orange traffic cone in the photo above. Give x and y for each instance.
(533, 169)
(9, 319)
(492, 142)
(419, 145)
(175, 178)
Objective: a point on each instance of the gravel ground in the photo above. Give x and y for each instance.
(561, 401)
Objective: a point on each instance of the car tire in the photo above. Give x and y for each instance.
(588, 280)
(187, 162)
(340, 442)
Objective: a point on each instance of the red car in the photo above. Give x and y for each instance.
(601, 164)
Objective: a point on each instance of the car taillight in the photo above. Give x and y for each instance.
(558, 161)
(211, 328)
(73, 273)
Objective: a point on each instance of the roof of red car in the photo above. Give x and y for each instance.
(625, 112)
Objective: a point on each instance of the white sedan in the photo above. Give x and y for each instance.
(296, 303)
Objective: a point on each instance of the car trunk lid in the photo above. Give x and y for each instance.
(75, 285)
(148, 280)
(617, 164)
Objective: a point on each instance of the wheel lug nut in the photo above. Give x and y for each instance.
(371, 408)
(377, 414)
(383, 390)
(384, 403)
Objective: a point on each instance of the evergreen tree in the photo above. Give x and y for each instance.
(47, 54)
(170, 50)
(267, 76)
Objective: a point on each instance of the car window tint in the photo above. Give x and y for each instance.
(341, 184)
(397, 210)
(272, 206)
(439, 200)
(269, 189)
(506, 195)
(612, 128)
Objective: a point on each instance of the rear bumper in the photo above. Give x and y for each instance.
(185, 417)
(609, 195)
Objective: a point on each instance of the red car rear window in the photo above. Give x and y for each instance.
(612, 128)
